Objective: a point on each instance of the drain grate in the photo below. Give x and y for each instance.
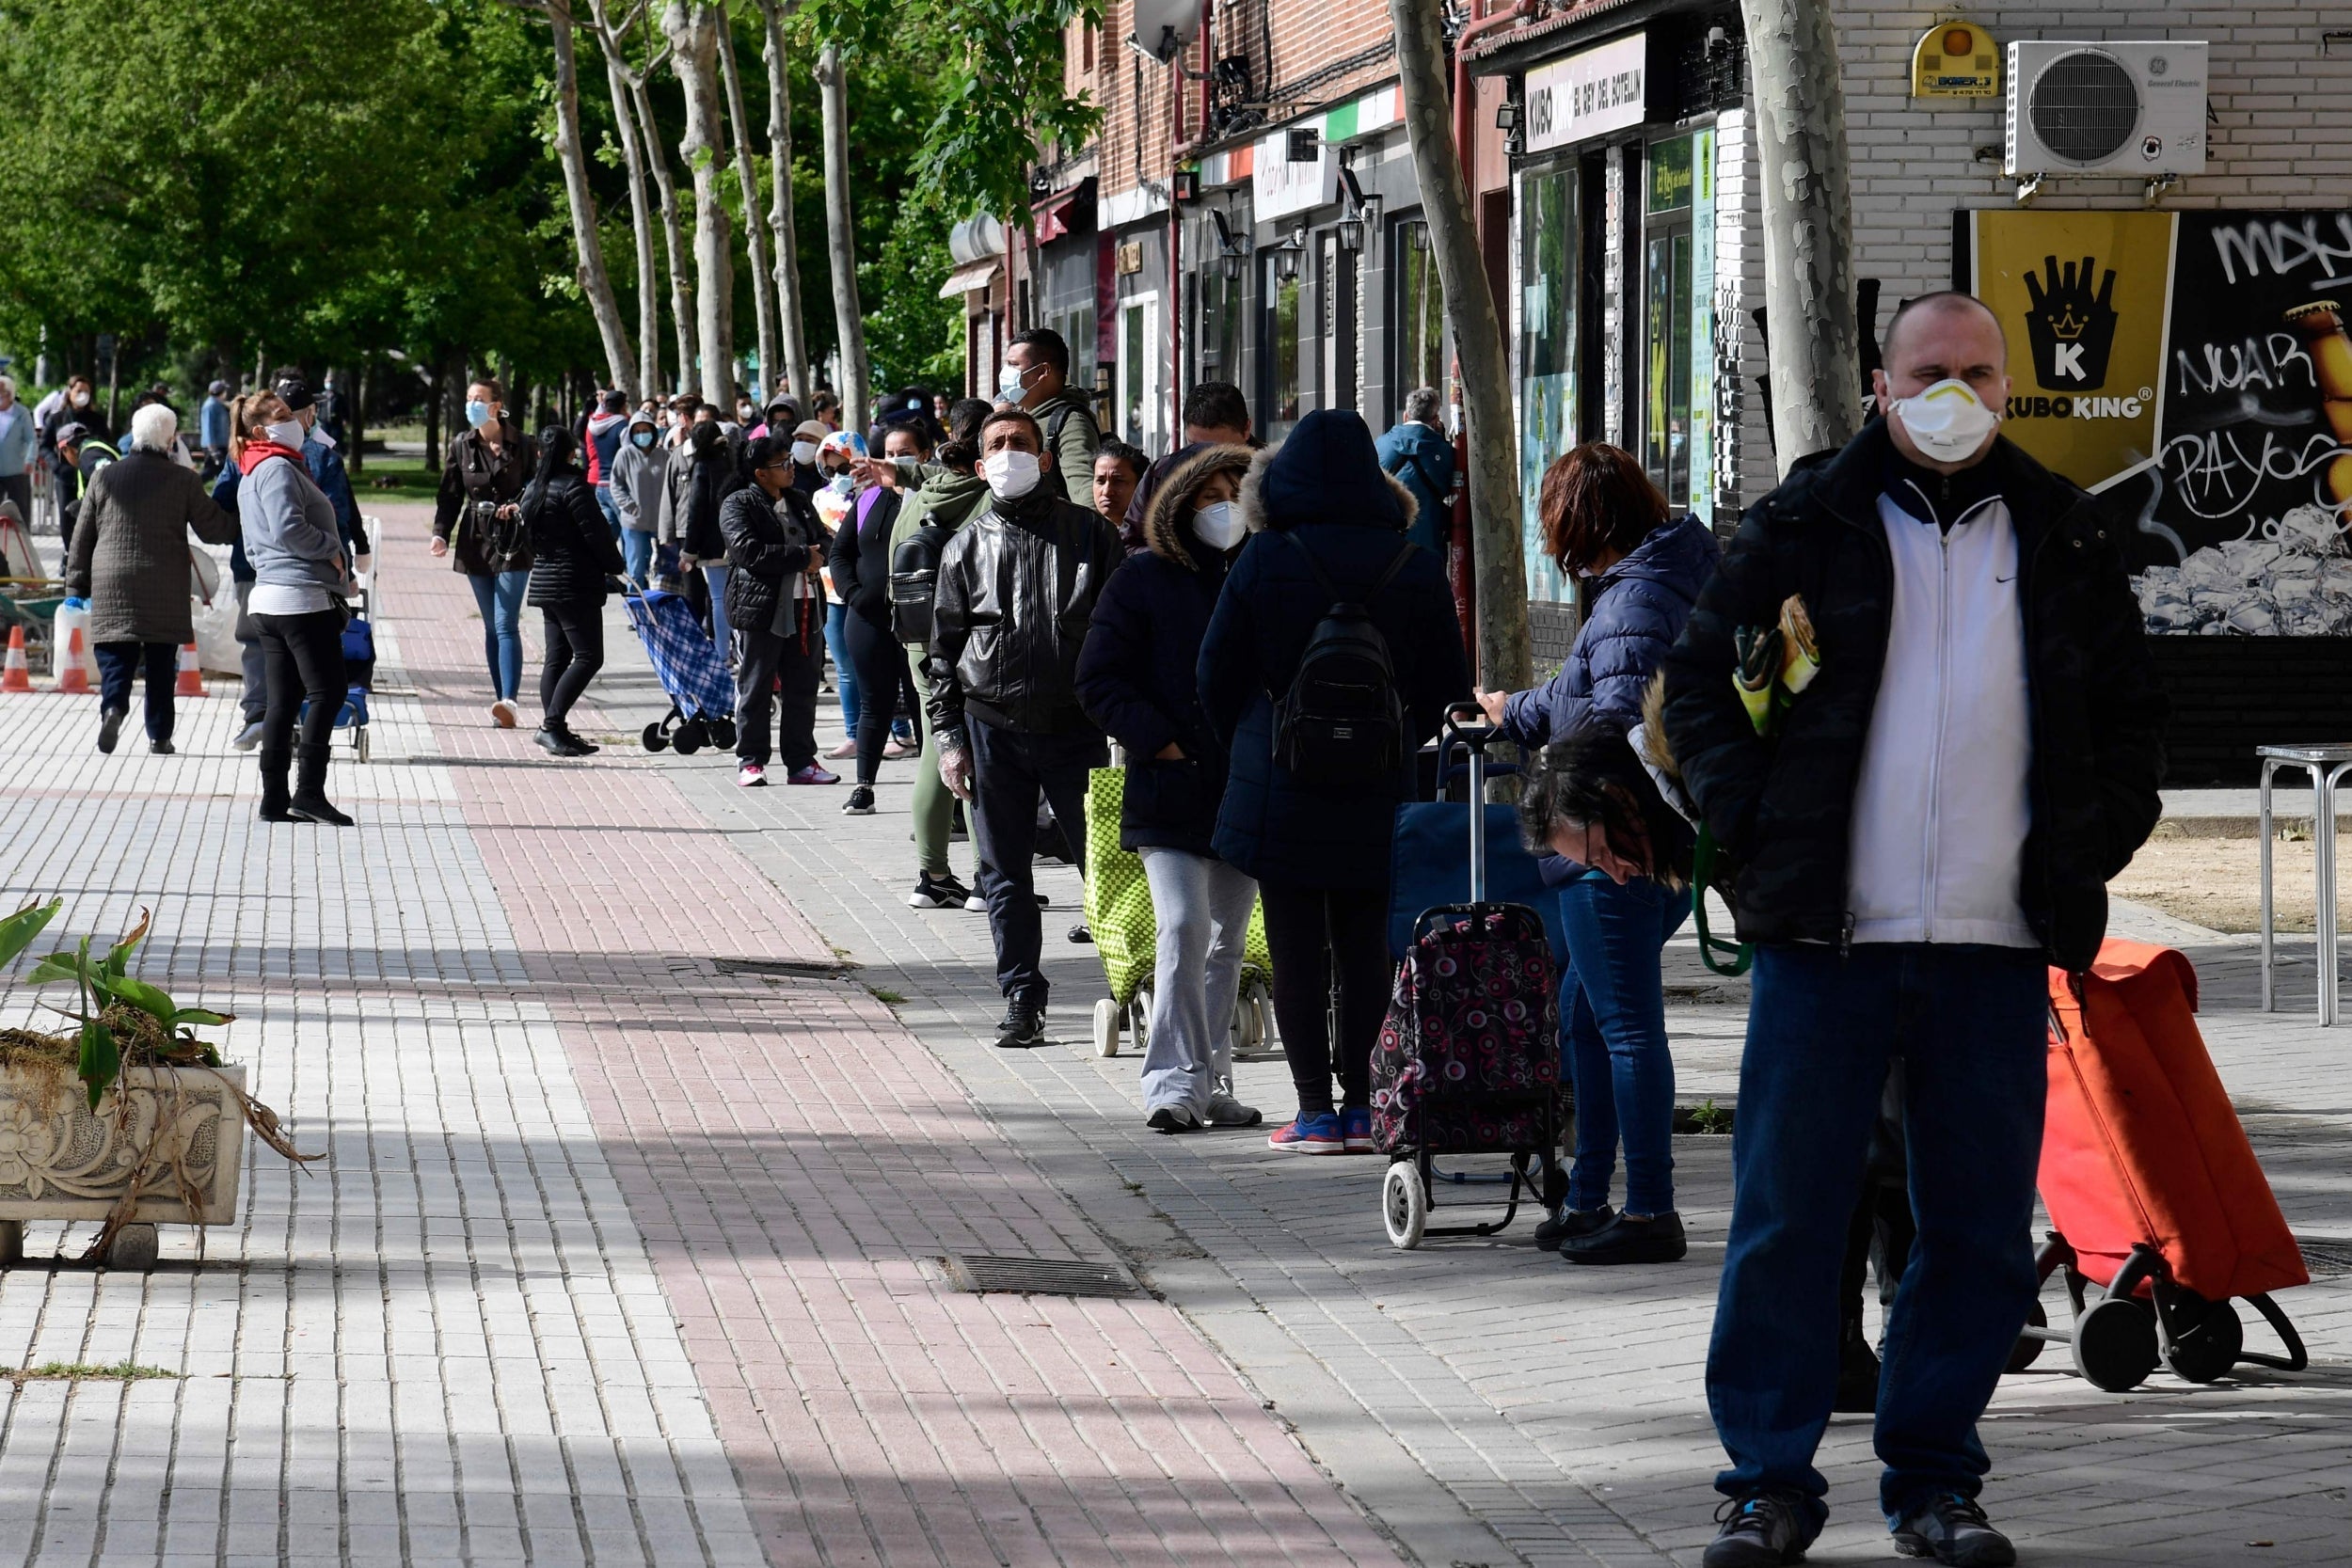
(981, 1274)
(797, 969)
(2325, 1259)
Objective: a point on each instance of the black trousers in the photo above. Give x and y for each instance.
(883, 681)
(1010, 769)
(778, 675)
(303, 658)
(1307, 930)
(575, 635)
(118, 662)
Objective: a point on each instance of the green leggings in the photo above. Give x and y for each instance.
(934, 805)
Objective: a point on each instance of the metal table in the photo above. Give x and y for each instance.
(2327, 765)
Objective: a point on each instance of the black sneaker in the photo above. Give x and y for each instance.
(1569, 1222)
(1952, 1528)
(1080, 933)
(1857, 1372)
(938, 893)
(1023, 1026)
(160, 748)
(860, 803)
(1629, 1239)
(109, 726)
(551, 741)
(1173, 1119)
(1762, 1528)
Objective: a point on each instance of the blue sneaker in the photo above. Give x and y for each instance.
(1316, 1134)
(1356, 1128)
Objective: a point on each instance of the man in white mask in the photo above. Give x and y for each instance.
(1017, 587)
(1929, 829)
(1036, 377)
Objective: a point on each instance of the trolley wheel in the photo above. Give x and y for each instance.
(1263, 1004)
(1139, 1017)
(2207, 1339)
(360, 743)
(2115, 1344)
(653, 737)
(1244, 1026)
(1105, 1027)
(689, 738)
(2028, 1350)
(134, 1248)
(1404, 1204)
(723, 734)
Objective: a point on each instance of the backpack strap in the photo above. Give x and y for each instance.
(1388, 574)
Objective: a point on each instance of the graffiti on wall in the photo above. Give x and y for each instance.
(2197, 364)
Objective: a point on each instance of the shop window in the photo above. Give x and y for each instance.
(1216, 343)
(1678, 321)
(1337, 285)
(1140, 384)
(1077, 329)
(1417, 323)
(1285, 357)
(1550, 249)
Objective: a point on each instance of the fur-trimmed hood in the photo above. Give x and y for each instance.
(1327, 472)
(1164, 532)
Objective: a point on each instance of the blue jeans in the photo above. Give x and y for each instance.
(612, 513)
(500, 601)
(637, 555)
(1968, 1026)
(721, 635)
(843, 667)
(1613, 1024)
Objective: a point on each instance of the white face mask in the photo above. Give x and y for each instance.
(1945, 420)
(805, 452)
(80, 400)
(1219, 526)
(286, 433)
(1010, 475)
(1009, 384)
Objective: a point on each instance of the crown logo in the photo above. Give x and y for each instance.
(2067, 326)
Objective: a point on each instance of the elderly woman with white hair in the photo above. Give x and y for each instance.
(130, 561)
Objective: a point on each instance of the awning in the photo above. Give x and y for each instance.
(1053, 217)
(970, 278)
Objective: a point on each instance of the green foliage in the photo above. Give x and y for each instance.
(152, 1015)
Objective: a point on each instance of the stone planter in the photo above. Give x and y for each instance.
(60, 1160)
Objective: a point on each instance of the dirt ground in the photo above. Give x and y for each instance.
(2216, 882)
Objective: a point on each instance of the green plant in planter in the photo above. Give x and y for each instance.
(102, 989)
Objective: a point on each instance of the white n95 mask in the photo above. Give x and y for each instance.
(1945, 420)
(1219, 526)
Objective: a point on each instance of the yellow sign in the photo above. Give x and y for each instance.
(1956, 59)
(2085, 300)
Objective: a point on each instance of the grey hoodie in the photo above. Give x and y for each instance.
(289, 524)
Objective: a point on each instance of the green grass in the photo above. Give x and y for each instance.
(885, 995)
(397, 479)
(119, 1371)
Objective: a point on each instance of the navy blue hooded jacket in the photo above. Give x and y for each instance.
(1324, 487)
(1638, 608)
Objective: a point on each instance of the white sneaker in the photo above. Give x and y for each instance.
(976, 904)
(248, 737)
(502, 714)
(751, 776)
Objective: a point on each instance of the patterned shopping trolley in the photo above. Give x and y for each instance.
(702, 698)
(1126, 933)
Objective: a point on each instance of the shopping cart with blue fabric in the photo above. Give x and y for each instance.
(701, 697)
(351, 719)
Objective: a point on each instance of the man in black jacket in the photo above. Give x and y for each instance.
(1933, 821)
(1016, 591)
(775, 616)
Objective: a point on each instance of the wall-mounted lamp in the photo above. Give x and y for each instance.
(1351, 233)
(1234, 261)
(1286, 262)
(1507, 115)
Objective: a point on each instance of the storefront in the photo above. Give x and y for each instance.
(1071, 283)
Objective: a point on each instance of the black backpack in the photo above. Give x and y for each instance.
(915, 582)
(1342, 721)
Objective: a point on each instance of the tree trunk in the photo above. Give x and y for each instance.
(693, 34)
(788, 279)
(1504, 657)
(1813, 352)
(640, 209)
(755, 232)
(841, 241)
(594, 281)
(673, 235)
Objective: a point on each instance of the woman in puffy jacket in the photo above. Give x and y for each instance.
(1603, 520)
(572, 554)
(1139, 678)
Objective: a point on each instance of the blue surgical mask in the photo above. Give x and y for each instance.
(642, 437)
(1009, 383)
(477, 413)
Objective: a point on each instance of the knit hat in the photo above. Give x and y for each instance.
(810, 430)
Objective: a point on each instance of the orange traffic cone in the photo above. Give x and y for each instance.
(191, 675)
(74, 668)
(18, 675)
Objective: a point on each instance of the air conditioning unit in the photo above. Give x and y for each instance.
(2117, 109)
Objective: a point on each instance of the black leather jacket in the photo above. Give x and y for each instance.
(1016, 593)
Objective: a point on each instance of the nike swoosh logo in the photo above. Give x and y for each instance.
(2011, 578)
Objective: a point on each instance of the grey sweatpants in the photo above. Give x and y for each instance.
(1202, 906)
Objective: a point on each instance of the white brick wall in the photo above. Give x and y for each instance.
(2279, 134)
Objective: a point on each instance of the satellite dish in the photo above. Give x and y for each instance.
(1163, 27)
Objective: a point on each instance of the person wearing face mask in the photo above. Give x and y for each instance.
(837, 455)
(1139, 678)
(478, 523)
(302, 583)
(807, 437)
(860, 560)
(638, 465)
(1037, 377)
(1604, 522)
(1017, 587)
(694, 485)
(76, 405)
(600, 443)
(1928, 830)
(324, 464)
(773, 545)
(572, 556)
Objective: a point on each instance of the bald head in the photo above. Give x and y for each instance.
(1930, 312)
(1942, 337)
